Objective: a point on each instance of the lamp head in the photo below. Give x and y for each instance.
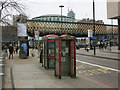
(61, 6)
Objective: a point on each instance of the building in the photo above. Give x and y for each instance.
(113, 9)
(19, 19)
(113, 12)
(9, 33)
(71, 14)
(54, 17)
(87, 20)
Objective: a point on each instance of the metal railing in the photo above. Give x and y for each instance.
(2, 72)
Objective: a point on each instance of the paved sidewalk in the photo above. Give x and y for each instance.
(113, 54)
(29, 73)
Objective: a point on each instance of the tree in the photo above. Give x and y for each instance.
(7, 9)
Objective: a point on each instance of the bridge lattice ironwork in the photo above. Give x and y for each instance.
(73, 28)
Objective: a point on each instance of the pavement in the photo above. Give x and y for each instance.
(108, 54)
(29, 73)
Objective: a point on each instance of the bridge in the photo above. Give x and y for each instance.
(72, 28)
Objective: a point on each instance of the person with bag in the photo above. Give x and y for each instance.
(11, 51)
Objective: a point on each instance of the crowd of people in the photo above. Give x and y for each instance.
(12, 48)
(103, 45)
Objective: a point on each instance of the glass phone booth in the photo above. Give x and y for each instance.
(65, 56)
(48, 51)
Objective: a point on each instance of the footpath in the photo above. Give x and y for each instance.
(113, 54)
(29, 73)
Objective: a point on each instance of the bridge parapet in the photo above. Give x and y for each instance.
(72, 28)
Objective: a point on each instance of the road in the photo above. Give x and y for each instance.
(103, 71)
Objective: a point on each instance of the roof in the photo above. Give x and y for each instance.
(52, 15)
(51, 36)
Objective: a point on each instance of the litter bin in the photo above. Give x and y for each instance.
(65, 56)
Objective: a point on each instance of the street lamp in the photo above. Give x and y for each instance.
(61, 6)
(94, 25)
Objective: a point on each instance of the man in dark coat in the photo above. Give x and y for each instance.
(11, 51)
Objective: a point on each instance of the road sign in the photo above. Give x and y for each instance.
(90, 33)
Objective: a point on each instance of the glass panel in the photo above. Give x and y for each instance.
(65, 58)
(51, 49)
(51, 63)
(45, 53)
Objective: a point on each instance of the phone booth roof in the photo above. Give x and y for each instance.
(66, 36)
(47, 36)
(52, 36)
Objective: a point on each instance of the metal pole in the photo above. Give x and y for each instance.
(111, 34)
(118, 34)
(94, 25)
(61, 19)
(61, 16)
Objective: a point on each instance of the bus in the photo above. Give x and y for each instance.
(82, 42)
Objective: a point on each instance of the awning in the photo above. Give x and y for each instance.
(104, 39)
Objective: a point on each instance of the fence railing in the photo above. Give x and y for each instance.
(2, 72)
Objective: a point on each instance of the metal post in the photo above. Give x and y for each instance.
(61, 16)
(118, 34)
(94, 25)
(111, 34)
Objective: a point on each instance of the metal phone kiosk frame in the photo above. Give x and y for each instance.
(48, 51)
(65, 56)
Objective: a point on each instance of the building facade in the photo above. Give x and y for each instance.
(71, 14)
(9, 33)
(54, 17)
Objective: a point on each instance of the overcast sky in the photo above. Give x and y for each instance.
(81, 8)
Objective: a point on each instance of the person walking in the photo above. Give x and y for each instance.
(11, 51)
(14, 48)
(105, 45)
(17, 49)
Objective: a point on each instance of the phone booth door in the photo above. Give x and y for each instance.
(51, 53)
(57, 58)
(65, 57)
(43, 54)
(73, 57)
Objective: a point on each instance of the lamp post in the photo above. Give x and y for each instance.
(94, 25)
(111, 34)
(61, 6)
(118, 34)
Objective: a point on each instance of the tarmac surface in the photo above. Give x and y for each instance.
(102, 53)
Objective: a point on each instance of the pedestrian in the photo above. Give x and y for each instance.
(41, 56)
(11, 51)
(16, 49)
(105, 44)
(102, 45)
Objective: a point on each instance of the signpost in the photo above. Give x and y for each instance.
(90, 34)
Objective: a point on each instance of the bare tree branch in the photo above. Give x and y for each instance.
(5, 9)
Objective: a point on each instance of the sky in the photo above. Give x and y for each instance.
(81, 8)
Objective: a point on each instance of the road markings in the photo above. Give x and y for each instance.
(98, 66)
